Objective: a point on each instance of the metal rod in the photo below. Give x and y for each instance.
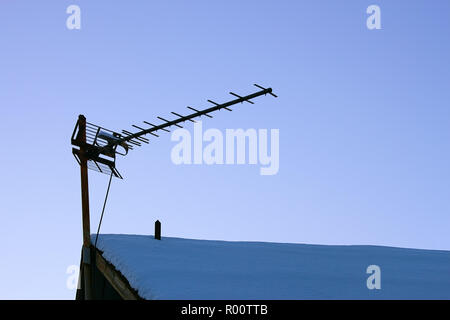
(179, 115)
(175, 123)
(218, 104)
(154, 125)
(209, 116)
(238, 96)
(198, 113)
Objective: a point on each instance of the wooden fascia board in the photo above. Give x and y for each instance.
(116, 279)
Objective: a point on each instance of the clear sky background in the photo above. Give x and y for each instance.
(363, 116)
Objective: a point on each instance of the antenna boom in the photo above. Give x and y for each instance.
(190, 116)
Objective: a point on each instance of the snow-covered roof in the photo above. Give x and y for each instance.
(175, 268)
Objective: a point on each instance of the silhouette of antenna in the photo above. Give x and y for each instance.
(96, 148)
(100, 146)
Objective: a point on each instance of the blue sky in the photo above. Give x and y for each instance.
(363, 118)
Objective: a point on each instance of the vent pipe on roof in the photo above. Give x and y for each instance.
(157, 230)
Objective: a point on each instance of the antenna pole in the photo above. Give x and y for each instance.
(85, 210)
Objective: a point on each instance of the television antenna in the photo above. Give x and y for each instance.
(96, 148)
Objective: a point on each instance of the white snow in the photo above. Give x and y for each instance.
(175, 268)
